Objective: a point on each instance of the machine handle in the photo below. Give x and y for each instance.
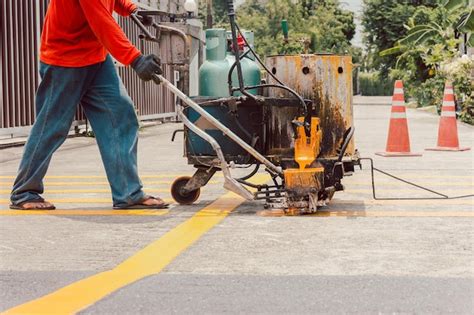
(146, 34)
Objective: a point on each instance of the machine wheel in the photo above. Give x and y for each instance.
(177, 191)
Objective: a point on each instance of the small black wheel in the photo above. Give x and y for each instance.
(179, 196)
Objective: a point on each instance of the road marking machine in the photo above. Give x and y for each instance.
(296, 122)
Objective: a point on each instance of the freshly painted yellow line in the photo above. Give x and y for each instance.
(452, 191)
(374, 213)
(350, 191)
(77, 200)
(103, 177)
(9, 184)
(444, 184)
(408, 176)
(149, 261)
(111, 212)
(414, 176)
(95, 176)
(456, 202)
(49, 183)
(82, 191)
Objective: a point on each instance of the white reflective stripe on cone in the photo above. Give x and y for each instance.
(448, 114)
(398, 91)
(448, 103)
(398, 115)
(448, 91)
(398, 103)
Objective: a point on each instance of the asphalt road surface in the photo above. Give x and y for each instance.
(220, 256)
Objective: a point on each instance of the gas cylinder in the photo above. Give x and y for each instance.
(213, 74)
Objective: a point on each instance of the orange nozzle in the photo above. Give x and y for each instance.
(307, 148)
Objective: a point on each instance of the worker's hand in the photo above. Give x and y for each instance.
(147, 67)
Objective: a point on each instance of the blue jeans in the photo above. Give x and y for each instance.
(111, 114)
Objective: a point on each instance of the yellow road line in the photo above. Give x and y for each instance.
(83, 191)
(158, 182)
(426, 183)
(149, 261)
(164, 190)
(103, 177)
(348, 183)
(467, 202)
(414, 176)
(95, 176)
(421, 214)
(411, 191)
(77, 212)
(77, 200)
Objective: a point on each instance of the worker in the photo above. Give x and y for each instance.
(77, 40)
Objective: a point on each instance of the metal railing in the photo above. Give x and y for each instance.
(19, 40)
(20, 28)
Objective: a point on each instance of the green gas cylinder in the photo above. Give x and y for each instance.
(213, 74)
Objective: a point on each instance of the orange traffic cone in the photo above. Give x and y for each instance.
(398, 142)
(448, 129)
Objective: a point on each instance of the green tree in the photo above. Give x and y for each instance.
(430, 45)
(219, 12)
(315, 26)
(384, 23)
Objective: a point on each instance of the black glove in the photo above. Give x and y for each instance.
(147, 66)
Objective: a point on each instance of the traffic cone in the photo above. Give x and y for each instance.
(448, 129)
(398, 142)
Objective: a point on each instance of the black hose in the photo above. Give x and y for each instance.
(255, 170)
(305, 107)
(231, 71)
(282, 85)
(258, 58)
(347, 138)
(244, 131)
(242, 88)
(231, 14)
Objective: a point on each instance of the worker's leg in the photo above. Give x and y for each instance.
(114, 121)
(56, 101)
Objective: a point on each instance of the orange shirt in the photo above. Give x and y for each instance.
(79, 33)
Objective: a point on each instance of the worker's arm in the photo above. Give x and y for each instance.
(108, 31)
(124, 7)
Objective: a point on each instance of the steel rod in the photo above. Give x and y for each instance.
(441, 195)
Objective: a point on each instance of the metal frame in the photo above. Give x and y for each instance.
(230, 183)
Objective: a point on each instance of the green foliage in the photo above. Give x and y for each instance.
(428, 51)
(429, 93)
(455, 4)
(371, 84)
(314, 25)
(437, 29)
(466, 25)
(219, 12)
(384, 23)
(458, 71)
